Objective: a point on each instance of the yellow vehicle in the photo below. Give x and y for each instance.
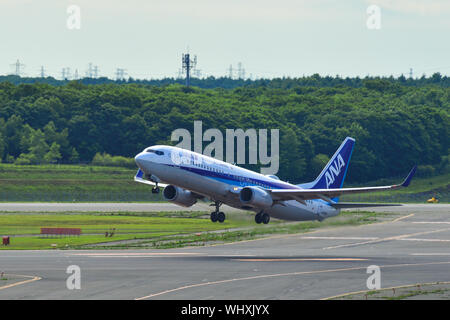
(433, 200)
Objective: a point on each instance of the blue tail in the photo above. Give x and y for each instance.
(333, 175)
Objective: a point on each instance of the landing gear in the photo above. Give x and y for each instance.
(217, 215)
(155, 189)
(262, 217)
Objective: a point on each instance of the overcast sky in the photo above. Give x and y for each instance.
(271, 38)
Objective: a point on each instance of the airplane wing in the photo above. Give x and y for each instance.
(326, 194)
(139, 177)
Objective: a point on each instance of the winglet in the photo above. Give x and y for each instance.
(409, 177)
(139, 174)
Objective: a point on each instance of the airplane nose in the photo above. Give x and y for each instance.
(139, 159)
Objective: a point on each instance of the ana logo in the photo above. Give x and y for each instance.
(334, 170)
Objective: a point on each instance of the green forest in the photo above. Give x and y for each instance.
(396, 122)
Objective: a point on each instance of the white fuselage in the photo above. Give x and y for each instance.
(221, 181)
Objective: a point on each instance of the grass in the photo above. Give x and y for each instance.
(86, 183)
(24, 229)
(71, 183)
(437, 290)
(152, 231)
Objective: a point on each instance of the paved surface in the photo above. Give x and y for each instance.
(414, 248)
(165, 206)
(105, 207)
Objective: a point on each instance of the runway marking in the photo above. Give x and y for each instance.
(404, 217)
(383, 289)
(281, 275)
(298, 234)
(430, 254)
(340, 238)
(399, 237)
(299, 259)
(136, 254)
(425, 240)
(431, 222)
(157, 255)
(20, 282)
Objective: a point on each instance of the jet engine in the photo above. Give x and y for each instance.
(179, 196)
(256, 197)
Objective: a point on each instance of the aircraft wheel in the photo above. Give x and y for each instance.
(155, 190)
(214, 216)
(258, 218)
(221, 217)
(265, 218)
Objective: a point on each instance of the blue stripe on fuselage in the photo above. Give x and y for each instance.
(234, 179)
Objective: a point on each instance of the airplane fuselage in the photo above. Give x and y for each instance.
(221, 181)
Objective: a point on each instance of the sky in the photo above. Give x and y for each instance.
(270, 38)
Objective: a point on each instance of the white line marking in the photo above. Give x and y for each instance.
(431, 222)
(131, 254)
(425, 240)
(385, 239)
(340, 238)
(280, 275)
(430, 254)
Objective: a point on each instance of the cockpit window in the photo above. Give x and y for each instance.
(159, 153)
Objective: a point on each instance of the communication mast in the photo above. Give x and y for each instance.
(188, 64)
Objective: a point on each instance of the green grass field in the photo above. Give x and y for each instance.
(85, 183)
(24, 229)
(153, 231)
(71, 183)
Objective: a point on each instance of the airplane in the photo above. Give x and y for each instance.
(188, 176)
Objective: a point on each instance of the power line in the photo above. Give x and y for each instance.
(65, 73)
(120, 74)
(18, 68)
(96, 72)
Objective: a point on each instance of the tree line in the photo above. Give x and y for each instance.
(395, 124)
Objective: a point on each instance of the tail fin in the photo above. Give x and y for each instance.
(333, 175)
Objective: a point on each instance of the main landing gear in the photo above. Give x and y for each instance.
(217, 215)
(262, 217)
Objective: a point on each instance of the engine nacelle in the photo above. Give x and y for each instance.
(255, 196)
(179, 196)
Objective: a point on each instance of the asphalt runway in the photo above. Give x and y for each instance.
(413, 248)
(165, 206)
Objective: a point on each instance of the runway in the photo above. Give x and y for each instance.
(412, 248)
(165, 206)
